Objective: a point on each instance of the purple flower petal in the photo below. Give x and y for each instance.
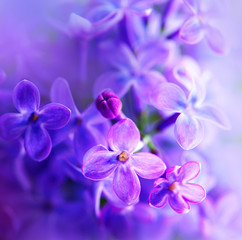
(148, 165)
(106, 23)
(126, 184)
(189, 171)
(83, 140)
(146, 83)
(153, 53)
(192, 31)
(79, 26)
(188, 131)
(61, 93)
(55, 115)
(12, 125)
(172, 173)
(214, 115)
(192, 192)
(123, 136)
(91, 151)
(193, 5)
(168, 96)
(37, 142)
(26, 97)
(116, 81)
(100, 165)
(158, 197)
(215, 40)
(178, 203)
(2, 76)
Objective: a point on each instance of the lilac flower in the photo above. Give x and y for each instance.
(121, 161)
(189, 128)
(107, 14)
(108, 104)
(89, 127)
(136, 71)
(177, 189)
(197, 27)
(32, 121)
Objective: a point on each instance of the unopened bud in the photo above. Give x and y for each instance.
(109, 104)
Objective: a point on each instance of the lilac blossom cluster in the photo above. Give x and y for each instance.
(105, 120)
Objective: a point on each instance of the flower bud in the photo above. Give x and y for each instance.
(109, 104)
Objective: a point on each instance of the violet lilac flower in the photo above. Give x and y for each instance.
(107, 14)
(33, 122)
(121, 161)
(177, 189)
(189, 128)
(197, 27)
(134, 70)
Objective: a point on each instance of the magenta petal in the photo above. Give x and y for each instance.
(26, 96)
(148, 165)
(189, 171)
(213, 115)
(178, 203)
(168, 96)
(37, 142)
(191, 31)
(158, 197)
(55, 115)
(215, 40)
(116, 81)
(192, 192)
(123, 136)
(12, 125)
(100, 165)
(126, 184)
(61, 93)
(189, 132)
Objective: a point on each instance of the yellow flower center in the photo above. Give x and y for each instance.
(173, 186)
(123, 156)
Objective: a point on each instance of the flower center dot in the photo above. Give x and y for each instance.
(34, 117)
(173, 186)
(123, 157)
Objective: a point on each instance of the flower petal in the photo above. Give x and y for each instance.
(26, 97)
(158, 197)
(193, 5)
(168, 96)
(214, 115)
(79, 26)
(116, 81)
(61, 93)
(178, 203)
(91, 151)
(192, 192)
(12, 125)
(37, 142)
(192, 31)
(148, 165)
(123, 136)
(215, 40)
(83, 141)
(189, 132)
(189, 171)
(126, 184)
(146, 83)
(55, 115)
(100, 165)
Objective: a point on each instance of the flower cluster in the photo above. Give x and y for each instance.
(127, 103)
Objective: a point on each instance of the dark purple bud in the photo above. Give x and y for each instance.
(108, 104)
